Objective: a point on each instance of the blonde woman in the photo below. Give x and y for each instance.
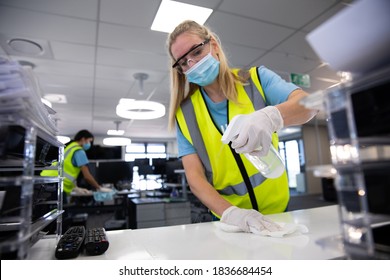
(205, 95)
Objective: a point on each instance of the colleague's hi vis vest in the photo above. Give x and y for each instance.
(222, 164)
(70, 172)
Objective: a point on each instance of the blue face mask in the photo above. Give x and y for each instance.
(87, 146)
(204, 72)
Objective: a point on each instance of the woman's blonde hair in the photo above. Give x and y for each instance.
(180, 88)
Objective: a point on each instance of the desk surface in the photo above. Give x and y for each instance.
(206, 241)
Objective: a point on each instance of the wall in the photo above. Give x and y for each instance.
(317, 152)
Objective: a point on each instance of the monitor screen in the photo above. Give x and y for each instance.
(112, 172)
(159, 166)
(144, 167)
(170, 168)
(98, 152)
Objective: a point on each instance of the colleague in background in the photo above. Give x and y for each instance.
(76, 161)
(205, 95)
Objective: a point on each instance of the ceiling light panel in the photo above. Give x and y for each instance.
(171, 13)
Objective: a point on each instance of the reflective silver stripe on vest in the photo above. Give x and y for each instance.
(71, 178)
(254, 95)
(67, 175)
(70, 149)
(197, 140)
(240, 189)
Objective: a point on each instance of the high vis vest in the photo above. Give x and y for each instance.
(232, 174)
(70, 172)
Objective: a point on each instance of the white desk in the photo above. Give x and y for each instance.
(206, 241)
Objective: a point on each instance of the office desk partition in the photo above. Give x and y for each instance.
(206, 241)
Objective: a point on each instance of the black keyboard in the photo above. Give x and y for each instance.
(70, 243)
(96, 242)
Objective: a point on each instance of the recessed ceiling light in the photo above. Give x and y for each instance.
(18, 45)
(55, 98)
(25, 46)
(171, 13)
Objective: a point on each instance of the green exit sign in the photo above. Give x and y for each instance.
(301, 80)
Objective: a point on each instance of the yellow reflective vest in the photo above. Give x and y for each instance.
(231, 174)
(70, 172)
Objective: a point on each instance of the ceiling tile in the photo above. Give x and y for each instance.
(292, 14)
(133, 60)
(74, 8)
(64, 84)
(324, 72)
(73, 52)
(241, 56)
(297, 45)
(45, 66)
(128, 38)
(20, 22)
(112, 88)
(325, 16)
(247, 32)
(287, 63)
(129, 12)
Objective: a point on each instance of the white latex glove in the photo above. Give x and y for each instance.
(254, 131)
(104, 189)
(81, 191)
(248, 220)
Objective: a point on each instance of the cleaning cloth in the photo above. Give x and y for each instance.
(285, 229)
(104, 194)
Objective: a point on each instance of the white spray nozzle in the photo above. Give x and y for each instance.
(231, 131)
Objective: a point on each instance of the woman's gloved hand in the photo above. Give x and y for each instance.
(255, 130)
(248, 220)
(81, 191)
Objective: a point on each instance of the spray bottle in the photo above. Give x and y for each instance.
(270, 165)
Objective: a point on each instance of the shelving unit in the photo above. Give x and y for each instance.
(29, 203)
(359, 128)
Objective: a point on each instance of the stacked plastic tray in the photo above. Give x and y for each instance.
(29, 203)
(20, 96)
(359, 128)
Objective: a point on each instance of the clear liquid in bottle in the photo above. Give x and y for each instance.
(270, 165)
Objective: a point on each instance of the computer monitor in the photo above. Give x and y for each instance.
(170, 168)
(159, 166)
(104, 153)
(144, 167)
(81, 182)
(112, 172)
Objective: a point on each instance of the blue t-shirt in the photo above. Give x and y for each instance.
(80, 158)
(276, 91)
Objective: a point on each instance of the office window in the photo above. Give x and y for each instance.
(145, 150)
(291, 152)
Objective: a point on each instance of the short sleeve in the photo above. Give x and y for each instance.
(184, 146)
(80, 158)
(276, 89)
